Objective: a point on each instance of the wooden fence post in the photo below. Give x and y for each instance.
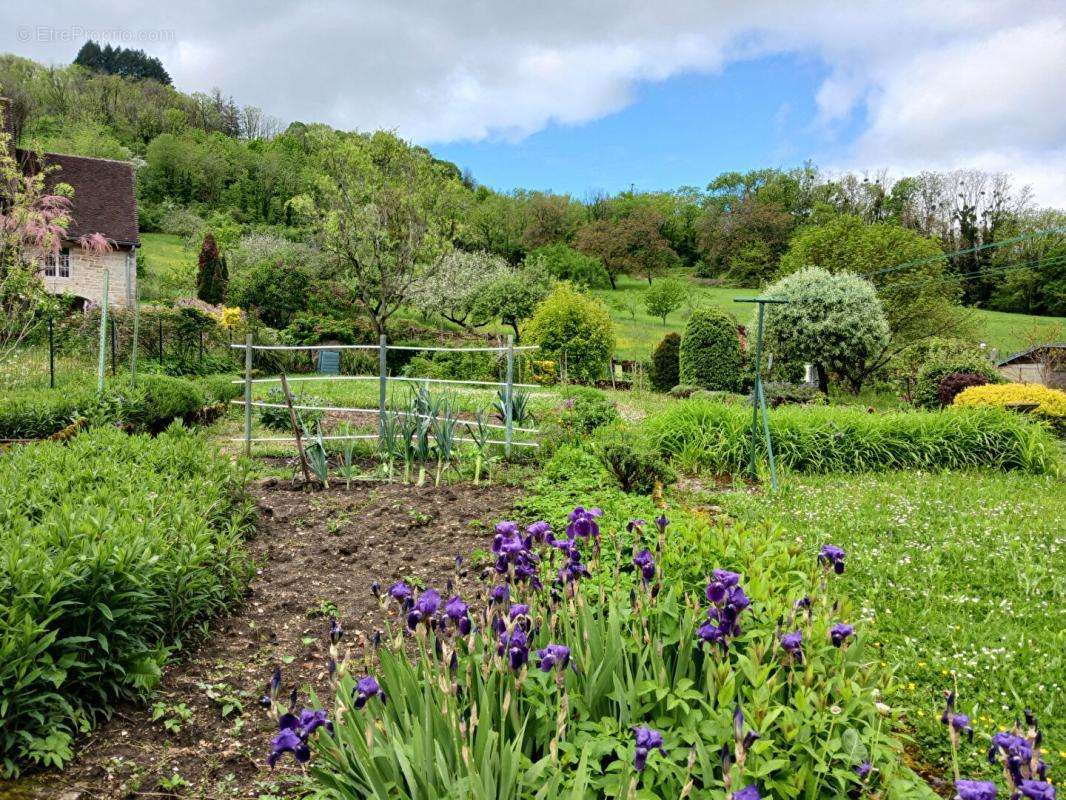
(383, 379)
(101, 362)
(508, 398)
(296, 430)
(247, 394)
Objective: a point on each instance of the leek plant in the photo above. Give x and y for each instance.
(444, 424)
(317, 458)
(480, 432)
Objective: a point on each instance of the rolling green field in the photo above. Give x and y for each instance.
(638, 332)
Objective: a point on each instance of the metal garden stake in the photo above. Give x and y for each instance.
(758, 400)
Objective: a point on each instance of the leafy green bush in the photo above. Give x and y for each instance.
(710, 354)
(589, 409)
(702, 435)
(566, 264)
(220, 388)
(635, 465)
(156, 401)
(939, 366)
(272, 290)
(150, 406)
(665, 363)
(114, 546)
(278, 419)
(39, 413)
(683, 391)
(575, 330)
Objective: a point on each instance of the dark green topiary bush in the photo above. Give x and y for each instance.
(782, 393)
(710, 354)
(665, 363)
(158, 400)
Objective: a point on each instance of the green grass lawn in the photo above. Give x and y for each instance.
(638, 332)
(167, 267)
(963, 579)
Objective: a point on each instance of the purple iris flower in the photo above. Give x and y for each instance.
(635, 525)
(661, 522)
(646, 564)
(365, 688)
(975, 790)
(793, 644)
(541, 531)
(552, 656)
(267, 700)
(748, 793)
(458, 612)
(862, 770)
(583, 523)
(518, 610)
(1037, 790)
(288, 741)
(515, 646)
(499, 595)
(1014, 748)
(961, 723)
(310, 721)
(722, 580)
(336, 632)
(401, 593)
(840, 633)
(572, 571)
(832, 556)
(507, 528)
(424, 608)
(709, 633)
(648, 739)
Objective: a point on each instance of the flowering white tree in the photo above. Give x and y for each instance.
(451, 290)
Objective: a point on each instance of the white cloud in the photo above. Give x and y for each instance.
(941, 83)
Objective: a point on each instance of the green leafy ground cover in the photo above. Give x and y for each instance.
(113, 549)
(960, 577)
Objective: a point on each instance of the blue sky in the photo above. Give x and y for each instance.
(684, 130)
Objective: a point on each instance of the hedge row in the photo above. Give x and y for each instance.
(112, 546)
(151, 405)
(713, 436)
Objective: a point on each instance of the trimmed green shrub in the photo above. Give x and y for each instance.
(633, 463)
(220, 388)
(927, 385)
(151, 405)
(703, 435)
(951, 385)
(575, 330)
(729, 398)
(683, 391)
(113, 547)
(710, 354)
(665, 363)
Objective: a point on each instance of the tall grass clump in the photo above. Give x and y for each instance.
(112, 547)
(702, 435)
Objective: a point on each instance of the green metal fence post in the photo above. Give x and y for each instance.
(383, 379)
(508, 398)
(113, 347)
(160, 341)
(51, 356)
(101, 362)
(247, 394)
(136, 334)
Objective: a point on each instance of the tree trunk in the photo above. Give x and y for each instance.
(823, 379)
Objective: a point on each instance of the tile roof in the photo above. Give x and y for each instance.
(104, 200)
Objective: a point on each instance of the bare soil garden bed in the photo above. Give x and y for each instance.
(315, 553)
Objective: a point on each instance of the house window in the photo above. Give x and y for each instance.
(57, 264)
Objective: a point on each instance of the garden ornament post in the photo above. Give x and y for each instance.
(758, 400)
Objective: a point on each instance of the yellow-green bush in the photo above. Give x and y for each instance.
(1051, 403)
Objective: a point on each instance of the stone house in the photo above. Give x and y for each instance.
(104, 203)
